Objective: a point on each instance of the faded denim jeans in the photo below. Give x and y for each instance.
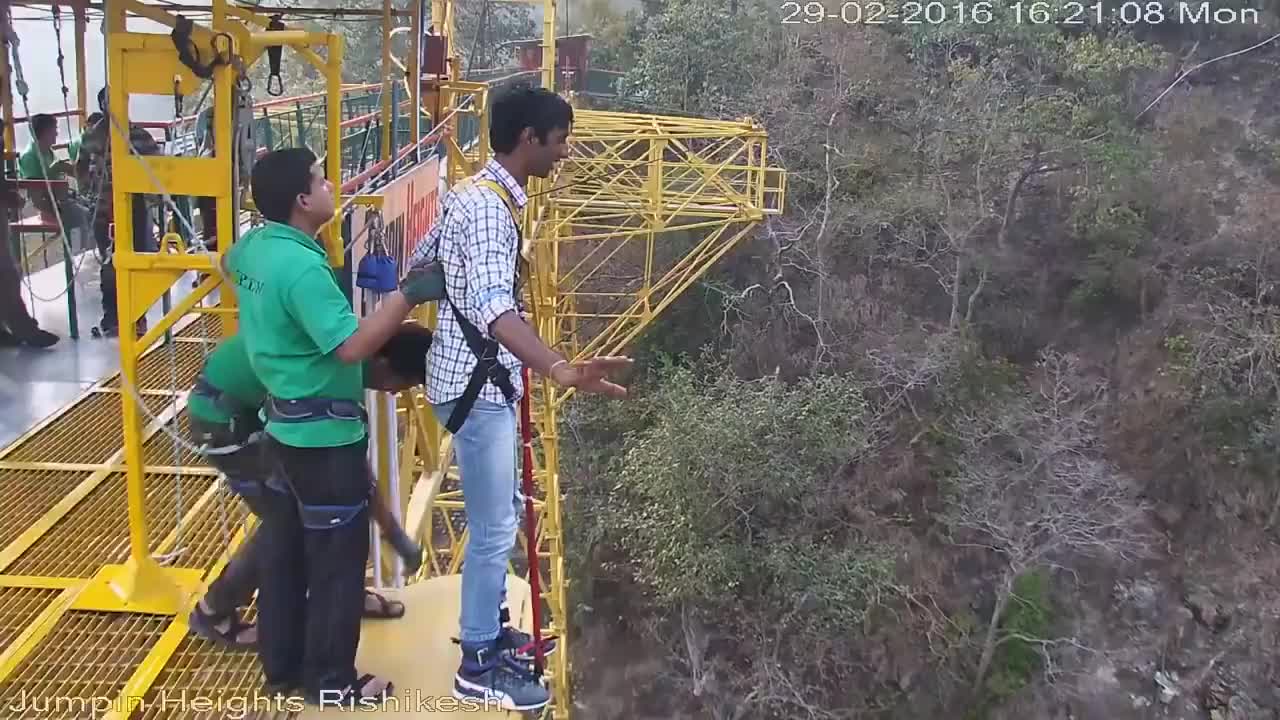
(486, 452)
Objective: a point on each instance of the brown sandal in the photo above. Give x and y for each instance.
(386, 610)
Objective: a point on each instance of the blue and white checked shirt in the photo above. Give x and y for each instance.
(478, 247)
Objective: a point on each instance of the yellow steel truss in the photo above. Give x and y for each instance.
(107, 527)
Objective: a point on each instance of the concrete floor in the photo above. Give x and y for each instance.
(36, 383)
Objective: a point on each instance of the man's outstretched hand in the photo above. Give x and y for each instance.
(589, 375)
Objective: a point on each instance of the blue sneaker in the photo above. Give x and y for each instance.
(492, 677)
(519, 644)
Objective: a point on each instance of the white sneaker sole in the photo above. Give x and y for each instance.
(464, 689)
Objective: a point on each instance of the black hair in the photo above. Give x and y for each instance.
(520, 107)
(279, 177)
(41, 122)
(102, 98)
(406, 352)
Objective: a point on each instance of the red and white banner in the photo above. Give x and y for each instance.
(408, 212)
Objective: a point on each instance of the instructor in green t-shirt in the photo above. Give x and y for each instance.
(306, 346)
(39, 163)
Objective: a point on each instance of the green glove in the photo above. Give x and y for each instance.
(424, 283)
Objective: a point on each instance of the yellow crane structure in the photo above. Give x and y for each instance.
(112, 526)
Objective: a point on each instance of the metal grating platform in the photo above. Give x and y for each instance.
(96, 532)
(206, 328)
(80, 667)
(87, 432)
(158, 371)
(64, 516)
(161, 448)
(19, 607)
(228, 678)
(26, 495)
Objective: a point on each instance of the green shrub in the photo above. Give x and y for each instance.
(729, 496)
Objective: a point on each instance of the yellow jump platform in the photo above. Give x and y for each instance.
(418, 655)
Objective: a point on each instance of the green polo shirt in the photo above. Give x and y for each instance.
(227, 368)
(293, 315)
(31, 167)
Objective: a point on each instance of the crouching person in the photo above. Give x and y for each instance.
(223, 415)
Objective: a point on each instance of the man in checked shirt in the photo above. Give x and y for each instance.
(477, 241)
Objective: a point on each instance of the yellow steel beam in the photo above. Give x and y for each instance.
(332, 234)
(39, 581)
(136, 687)
(37, 466)
(36, 631)
(416, 26)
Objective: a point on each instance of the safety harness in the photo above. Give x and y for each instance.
(313, 517)
(312, 409)
(302, 410)
(244, 427)
(487, 368)
(244, 431)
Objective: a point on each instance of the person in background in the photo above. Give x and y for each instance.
(17, 326)
(223, 417)
(93, 170)
(73, 147)
(39, 162)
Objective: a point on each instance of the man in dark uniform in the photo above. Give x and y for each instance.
(92, 162)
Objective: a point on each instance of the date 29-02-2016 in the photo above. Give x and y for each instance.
(1034, 12)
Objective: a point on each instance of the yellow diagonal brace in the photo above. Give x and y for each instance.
(35, 632)
(33, 533)
(148, 670)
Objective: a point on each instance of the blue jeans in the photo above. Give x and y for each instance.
(486, 451)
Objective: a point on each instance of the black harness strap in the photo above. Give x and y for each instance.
(487, 368)
(244, 421)
(189, 54)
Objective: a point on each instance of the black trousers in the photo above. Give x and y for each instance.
(311, 589)
(247, 471)
(143, 241)
(14, 315)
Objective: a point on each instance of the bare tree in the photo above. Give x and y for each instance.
(1032, 487)
(774, 687)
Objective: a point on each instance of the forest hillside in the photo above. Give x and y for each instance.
(986, 425)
